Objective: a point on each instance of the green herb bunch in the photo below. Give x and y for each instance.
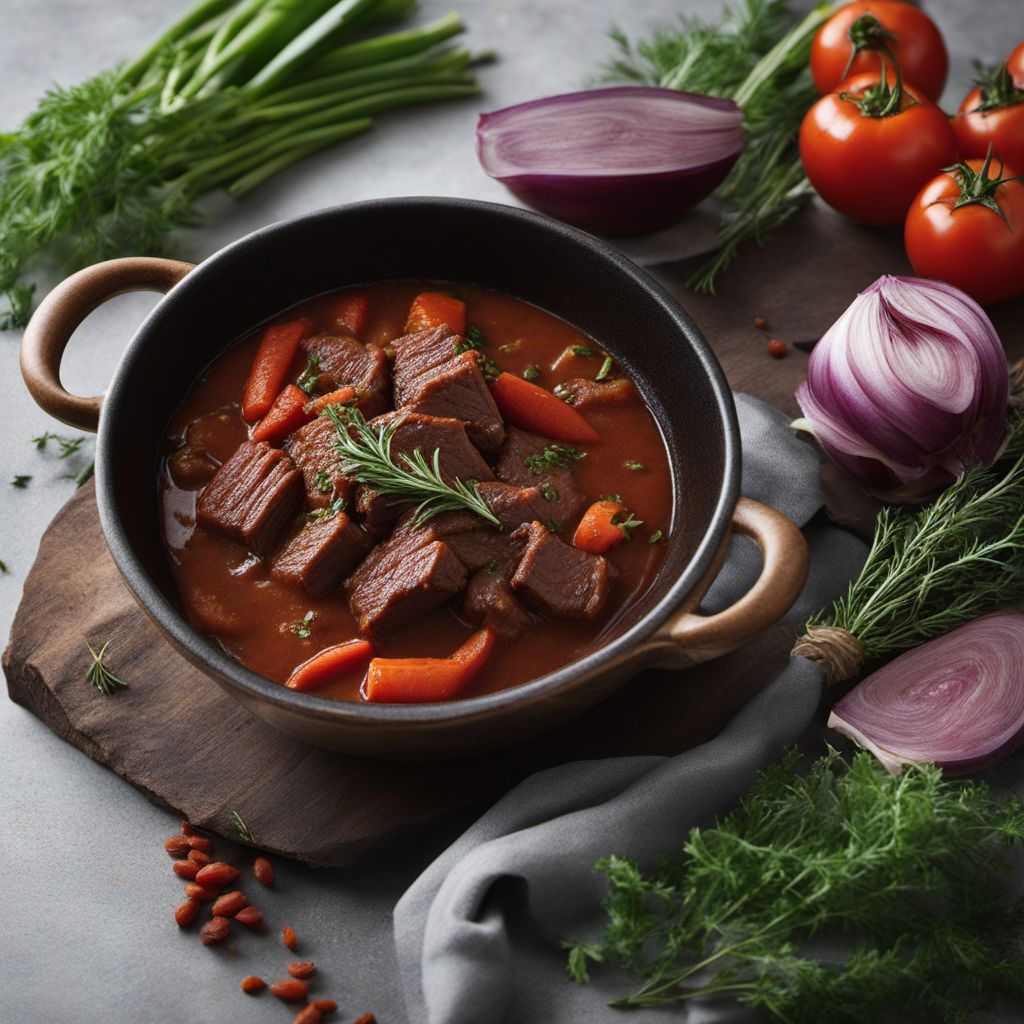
(757, 57)
(932, 569)
(907, 870)
(231, 94)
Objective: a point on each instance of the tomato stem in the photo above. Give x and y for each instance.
(881, 100)
(976, 187)
(867, 33)
(998, 89)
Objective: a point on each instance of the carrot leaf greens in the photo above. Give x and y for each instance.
(909, 870)
(232, 94)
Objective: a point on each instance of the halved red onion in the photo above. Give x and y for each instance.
(618, 161)
(957, 701)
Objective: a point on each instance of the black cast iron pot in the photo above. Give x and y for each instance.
(565, 271)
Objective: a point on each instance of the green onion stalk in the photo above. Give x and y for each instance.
(229, 96)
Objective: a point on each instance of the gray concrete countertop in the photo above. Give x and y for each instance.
(87, 934)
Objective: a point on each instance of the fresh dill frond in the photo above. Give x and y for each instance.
(757, 56)
(243, 830)
(364, 453)
(932, 569)
(99, 675)
(3, 567)
(911, 869)
(21, 481)
(66, 446)
(85, 473)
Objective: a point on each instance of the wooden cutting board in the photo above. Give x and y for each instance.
(180, 739)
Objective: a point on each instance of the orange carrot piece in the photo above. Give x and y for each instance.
(288, 413)
(330, 663)
(349, 313)
(598, 532)
(270, 368)
(535, 409)
(422, 680)
(432, 309)
(339, 397)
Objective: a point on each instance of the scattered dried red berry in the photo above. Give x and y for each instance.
(187, 829)
(185, 913)
(291, 990)
(186, 869)
(199, 857)
(288, 937)
(302, 969)
(229, 904)
(325, 1005)
(367, 1018)
(215, 930)
(216, 875)
(197, 892)
(264, 871)
(251, 917)
(777, 348)
(760, 323)
(200, 843)
(252, 985)
(308, 1015)
(177, 846)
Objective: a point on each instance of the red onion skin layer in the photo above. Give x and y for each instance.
(614, 204)
(908, 388)
(957, 701)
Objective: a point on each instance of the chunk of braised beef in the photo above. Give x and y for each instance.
(583, 393)
(252, 497)
(560, 580)
(517, 505)
(312, 449)
(388, 593)
(420, 356)
(345, 362)
(459, 459)
(458, 389)
(322, 554)
(489, 602)
(565, 501)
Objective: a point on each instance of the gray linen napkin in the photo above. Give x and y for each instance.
(478, 934)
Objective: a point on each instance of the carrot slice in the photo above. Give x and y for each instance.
(349, 313)
(421, 680)
(535, 409)
(270, 368)
(330, 663)
(432, 309)
(598, 532)
(339, 397)
(288, 413)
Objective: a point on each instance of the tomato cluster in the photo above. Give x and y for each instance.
(877, 147)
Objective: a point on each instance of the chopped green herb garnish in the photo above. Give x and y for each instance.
(550, 494)
(617, 498)
(21, 482)
(628, 524)
(322, 482)
(85, 473)
(635, 466)
(99, 675)
(243, 830)
(304, 628)
(532, 372)
(655, 537)
(510, 346)
(552, 526)
(554, 456)
(309, 376)
(606, 368)
(67, 445)
(490, 369)
(582, 350)
(562, 392)
(3, 566)
(320, 515)
(473, 339)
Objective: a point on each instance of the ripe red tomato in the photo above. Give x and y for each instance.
(1002, 126)
(972, 247)
(918, 46)
(1015, 62)
(870, 168)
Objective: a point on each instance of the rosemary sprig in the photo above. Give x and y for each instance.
(911, 867)
(99, 675)
(365, 455)
(935, 568)
(243, 830)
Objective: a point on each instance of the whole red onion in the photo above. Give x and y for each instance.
(908, 388)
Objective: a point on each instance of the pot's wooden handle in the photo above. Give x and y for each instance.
(690, 638)
(60, 314)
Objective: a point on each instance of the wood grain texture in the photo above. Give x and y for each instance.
(182, 741)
